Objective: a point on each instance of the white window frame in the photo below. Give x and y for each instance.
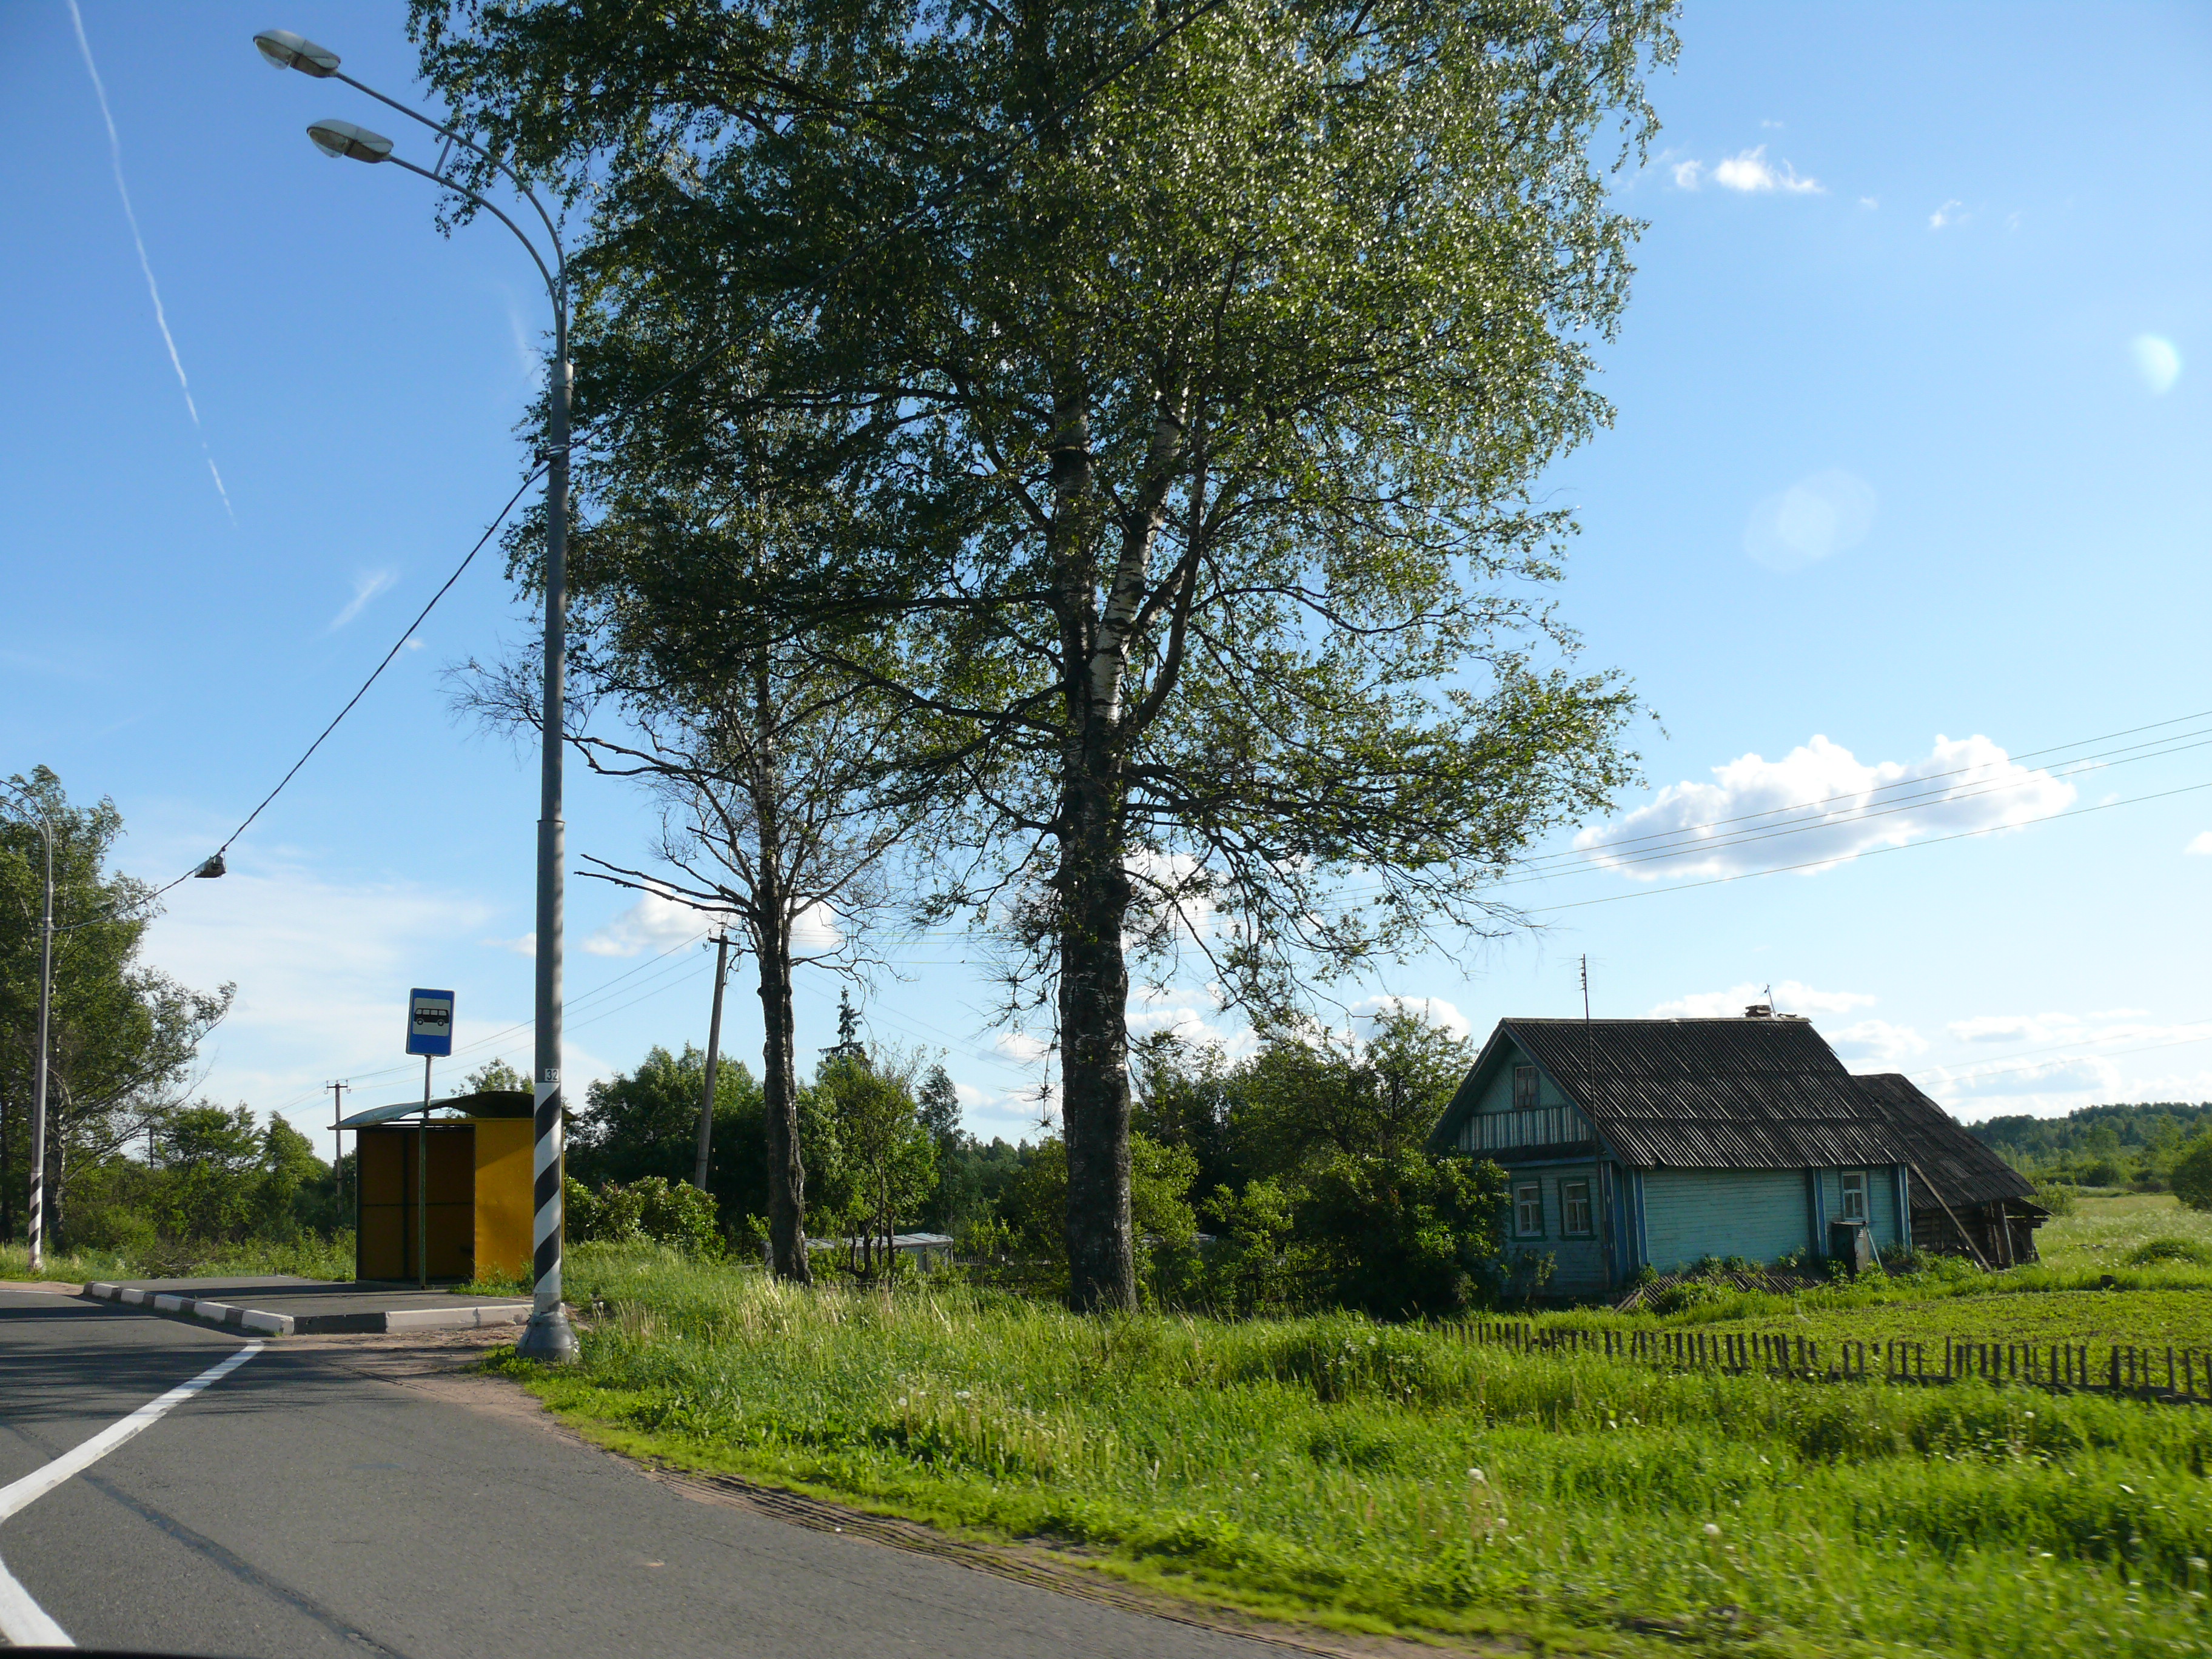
(1567, 1228)
(1522, 1191)
(1861, 1192)
(1535, 1088)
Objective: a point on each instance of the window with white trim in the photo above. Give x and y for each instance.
(1528, 1210)
(1575, 1210)
(1526, 1097)
(1855, 1194)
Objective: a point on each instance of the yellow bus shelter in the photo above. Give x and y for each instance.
(476, 1203)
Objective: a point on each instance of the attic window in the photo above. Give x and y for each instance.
(1525, 1096)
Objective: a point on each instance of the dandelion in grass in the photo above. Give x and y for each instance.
(1713, 1529)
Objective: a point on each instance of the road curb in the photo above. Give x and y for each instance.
(233, 1316)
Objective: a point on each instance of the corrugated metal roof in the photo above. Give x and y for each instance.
(1964, 1172)
(1732, 1094)
(488, 1103)
(1707, 1094)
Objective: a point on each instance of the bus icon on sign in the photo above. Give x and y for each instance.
(429, 1022)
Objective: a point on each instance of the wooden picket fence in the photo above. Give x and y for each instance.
(2178, 1374)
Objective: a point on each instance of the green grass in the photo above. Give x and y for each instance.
(1322, 1467)
(2149, 1318)
(308, 1258)
(2062, 1298)
(2102, 1233)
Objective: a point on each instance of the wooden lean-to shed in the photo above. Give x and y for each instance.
(1659, 1143)
(1964, 1199)
(476, 1204)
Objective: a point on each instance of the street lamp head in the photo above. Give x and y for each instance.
(285, 50)
(213, 868)
(343, 138)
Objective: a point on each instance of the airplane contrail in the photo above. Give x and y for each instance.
(161, 317)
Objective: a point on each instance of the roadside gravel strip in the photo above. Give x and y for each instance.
(22, 1621)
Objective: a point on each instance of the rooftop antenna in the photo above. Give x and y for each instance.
(1589, 1041)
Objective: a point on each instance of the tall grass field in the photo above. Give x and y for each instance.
(1392, 1477)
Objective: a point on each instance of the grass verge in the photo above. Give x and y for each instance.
(1327, 1467)
(307, 1258)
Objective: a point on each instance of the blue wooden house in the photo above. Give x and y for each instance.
(1636, 1143)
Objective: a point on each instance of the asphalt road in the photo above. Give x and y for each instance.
(301, 1505)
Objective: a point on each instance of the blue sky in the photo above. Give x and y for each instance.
(1907, 481)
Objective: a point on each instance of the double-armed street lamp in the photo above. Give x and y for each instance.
(37, 1218)
(547, 1335)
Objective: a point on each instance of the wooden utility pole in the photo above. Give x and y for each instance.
(714, 1057)
(338, 1145)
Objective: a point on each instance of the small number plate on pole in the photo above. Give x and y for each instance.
(429, 1022)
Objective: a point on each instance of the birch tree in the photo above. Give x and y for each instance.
(1193, 368)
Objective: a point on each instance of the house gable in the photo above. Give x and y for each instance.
(1487, 1093)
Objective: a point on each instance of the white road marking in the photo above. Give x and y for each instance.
(23, 1620)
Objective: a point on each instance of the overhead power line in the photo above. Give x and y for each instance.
(1918, 782)
(1692, 846)
(1975, 1074)
(1996, 1069)
(1814, 864)
(398, 644)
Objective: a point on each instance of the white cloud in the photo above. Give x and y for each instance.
(1435, 1010)
(1728, 827)
(1815, 517)
(1949, 214)
(2100, 1066)
(1749, 170)
(814, 931)
(653, 923)
(1687, 174)
(322, 969)
(2017, 1028)
(1869, 201)
(1877, 1040)
(525, 946)
(2157, 361)
(1021, 1047)
(2200, 845)
(1790, 997)
(2085, 1076)
(365, 587)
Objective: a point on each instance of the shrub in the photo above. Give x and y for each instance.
(580, 1210)
(1931, 1267)
(653, 1210)
(2055, 1196)
(2169, 1249)
(2192, 1174)
(1399, 1234)
(112, 1227)
(675, 1214)
(1690, 1293)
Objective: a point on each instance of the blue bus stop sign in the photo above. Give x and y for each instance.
(429, 1022)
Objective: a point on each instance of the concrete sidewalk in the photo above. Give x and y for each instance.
(285, 1306)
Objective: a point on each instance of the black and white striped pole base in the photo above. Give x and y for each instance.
(548, 1336)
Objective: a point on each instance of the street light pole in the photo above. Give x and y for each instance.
(38, 1220)
(548, 1336)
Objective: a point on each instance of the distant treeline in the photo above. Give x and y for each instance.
(2100, 1145)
